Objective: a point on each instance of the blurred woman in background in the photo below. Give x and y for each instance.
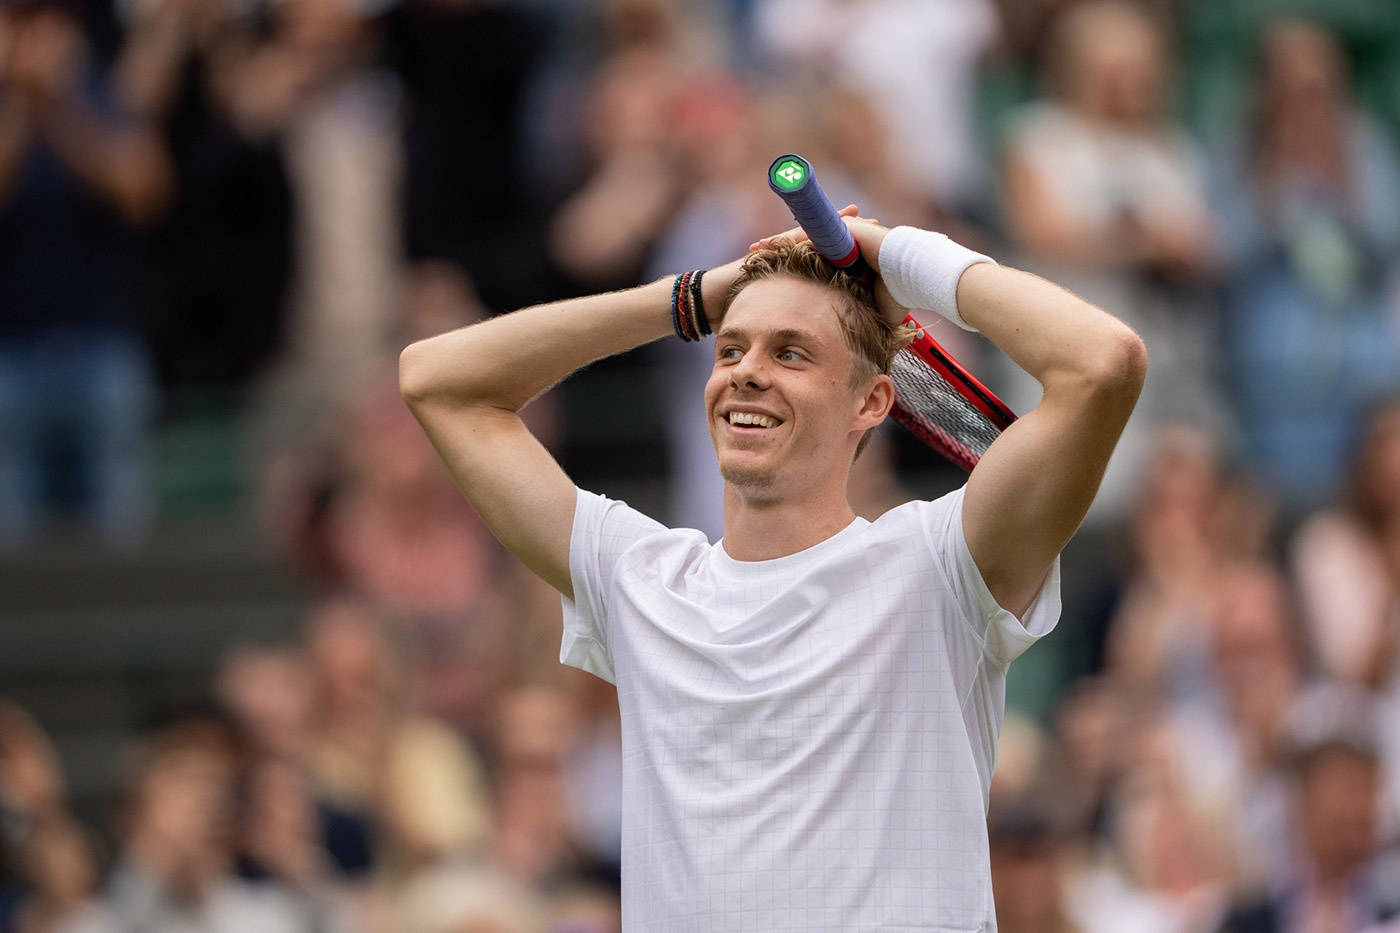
(1104, 192)
(1309, 227)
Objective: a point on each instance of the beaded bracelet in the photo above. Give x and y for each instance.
(688, 306)
(697, 305)
(676, 316)
(687, 312)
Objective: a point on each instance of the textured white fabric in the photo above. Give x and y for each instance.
(921, 269)
(808, 741)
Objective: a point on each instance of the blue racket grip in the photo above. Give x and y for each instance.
(792, 179)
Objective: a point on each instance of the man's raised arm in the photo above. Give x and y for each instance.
(1036, 481)
(466, 388)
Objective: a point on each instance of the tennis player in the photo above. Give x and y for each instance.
(810, 706)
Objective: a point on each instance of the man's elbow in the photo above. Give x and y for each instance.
(1124, 361)
(413, 384)
(1114, 366)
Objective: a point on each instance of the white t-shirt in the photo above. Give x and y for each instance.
(807, 741)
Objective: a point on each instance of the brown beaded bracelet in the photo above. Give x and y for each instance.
(680, 313)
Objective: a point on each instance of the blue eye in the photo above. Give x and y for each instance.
(790, 356)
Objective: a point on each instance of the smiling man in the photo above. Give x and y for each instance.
(810, 706)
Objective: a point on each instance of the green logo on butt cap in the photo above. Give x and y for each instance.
(789, 174)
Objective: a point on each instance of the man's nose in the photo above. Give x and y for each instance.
(750, 372)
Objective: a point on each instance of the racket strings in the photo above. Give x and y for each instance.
(934, 410)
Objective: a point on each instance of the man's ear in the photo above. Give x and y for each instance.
(876, 404)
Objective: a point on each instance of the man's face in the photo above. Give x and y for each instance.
(780, 402)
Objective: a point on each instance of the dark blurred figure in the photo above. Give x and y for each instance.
(468, 67)
(1340, 881)
(359, 503)
(602, 234)
(1026, 851)
(358, 703)
(1311, 232)
(1159, 637)
(280, 833)
(58, 862)
(1087, 757)
(1231, 732)
(319, 85)
(292, 831)
(48, 863)
(1346, 560)
(535, 837)
(218, 263)
(365, 507)
(179, 832)
(78, 174)
(1026, 26)
(268, 693)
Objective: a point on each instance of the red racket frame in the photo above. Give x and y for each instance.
(966, 384)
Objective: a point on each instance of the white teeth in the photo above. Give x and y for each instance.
(749, 417)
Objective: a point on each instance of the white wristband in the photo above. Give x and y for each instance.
(921, 270)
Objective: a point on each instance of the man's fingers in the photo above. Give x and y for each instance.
(795, 235)
(798, 235)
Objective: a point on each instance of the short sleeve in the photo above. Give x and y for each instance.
(603, 531)
(1003, 636)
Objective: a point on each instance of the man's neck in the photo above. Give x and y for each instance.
(764, 529)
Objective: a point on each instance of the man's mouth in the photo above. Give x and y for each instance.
(752, 419)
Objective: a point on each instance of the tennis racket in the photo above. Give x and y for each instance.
(937, 399)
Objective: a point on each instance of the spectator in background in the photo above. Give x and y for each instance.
(1027, 853)
(279, 835)
(1159, 638)
(217, 265)
(267, 692)
(356, 510)
(586, 908)
(1339, 880)
(48, 865)
(359, 705)
(78, 175)
(1229, 739)
(1166, 871)
(1107, 194)
(57, 859)
(602, 234)
(317, 87)
(1311, 231)
(435, 818)
(471, 901)
(915, 61)
(593, 774)
(398, 530)
(1346, 560)
(468, 69)
(174, 872)
(534, 837)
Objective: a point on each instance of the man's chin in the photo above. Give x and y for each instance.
(748, 480)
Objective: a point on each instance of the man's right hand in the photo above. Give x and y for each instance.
(869, 234)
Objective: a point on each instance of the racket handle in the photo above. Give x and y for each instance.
(792, 179)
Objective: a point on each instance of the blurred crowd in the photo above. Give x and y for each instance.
(267, 200)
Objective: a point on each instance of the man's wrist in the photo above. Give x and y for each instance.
(921, 270)
(715, 289)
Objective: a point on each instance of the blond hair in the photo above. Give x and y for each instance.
(873, 342)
